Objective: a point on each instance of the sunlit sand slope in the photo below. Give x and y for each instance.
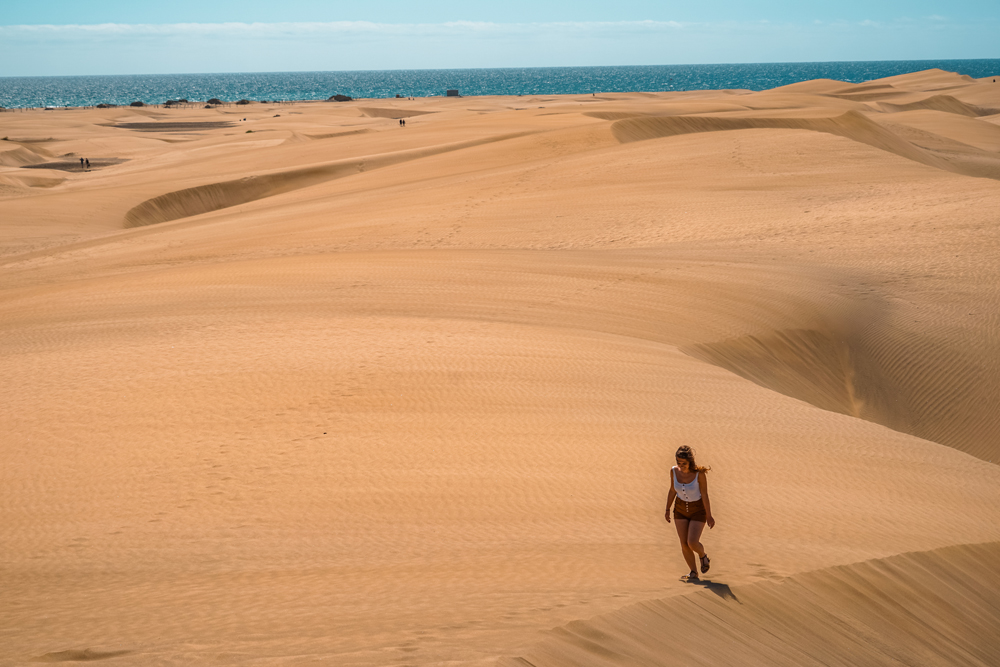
(925, 608)
(207, 198)
(315, 388)
(852, 124)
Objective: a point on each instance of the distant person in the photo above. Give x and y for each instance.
(81, 163)
(88, 164)
(401, 122)
(689, 486)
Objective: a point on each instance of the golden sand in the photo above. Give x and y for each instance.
(314, 388)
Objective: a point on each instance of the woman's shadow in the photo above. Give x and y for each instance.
(720, 589)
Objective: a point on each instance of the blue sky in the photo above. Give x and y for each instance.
(131, 37)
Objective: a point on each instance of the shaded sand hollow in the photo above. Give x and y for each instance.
(315, 389)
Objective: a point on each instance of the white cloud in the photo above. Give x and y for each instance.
(115, 48)
(264, 30)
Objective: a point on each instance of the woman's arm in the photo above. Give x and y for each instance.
(670, 496)
(703, 485)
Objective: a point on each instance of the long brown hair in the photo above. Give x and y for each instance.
(686, 453)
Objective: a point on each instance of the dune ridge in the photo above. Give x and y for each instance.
(215, 196)
(76, 655)
(851, 125)
(18, 156)
(938, 607)
(945, 103)
(331, 135)
(877, 373)
(394, 114)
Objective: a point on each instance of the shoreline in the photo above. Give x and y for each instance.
(383, 84)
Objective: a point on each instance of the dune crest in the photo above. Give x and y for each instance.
(851, 125)
(395, 114)
(215, 196)
(930, 608)
(907, 382)
(18, 156)
(945, 103)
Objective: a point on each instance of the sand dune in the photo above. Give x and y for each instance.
(864, 88)
(215, 196)
(18, 156)
(852, 125)
(819, 87)
(945, 103)
(379, 112)
(673, 109)
(928, 80)
(935, 124)
(925, 608)
(867, 371)
(334, 391)
(331, 135)
(27, 180)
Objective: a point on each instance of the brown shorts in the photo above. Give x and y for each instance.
(693, 511)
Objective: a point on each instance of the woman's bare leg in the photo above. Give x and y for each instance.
(695, 529)
(682, 533)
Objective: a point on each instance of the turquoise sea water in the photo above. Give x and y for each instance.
(155, 89)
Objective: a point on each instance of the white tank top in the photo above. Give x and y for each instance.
(687, 492)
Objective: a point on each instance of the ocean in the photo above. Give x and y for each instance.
(76, 91)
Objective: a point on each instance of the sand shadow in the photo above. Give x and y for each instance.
(169, 126)
(720, 589)
(76, 655)
(74, 165)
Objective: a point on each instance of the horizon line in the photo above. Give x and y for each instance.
(470, 69)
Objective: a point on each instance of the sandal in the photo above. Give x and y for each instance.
(693, 576)
(705, 563)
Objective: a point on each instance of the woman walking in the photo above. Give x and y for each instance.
(692, 510)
